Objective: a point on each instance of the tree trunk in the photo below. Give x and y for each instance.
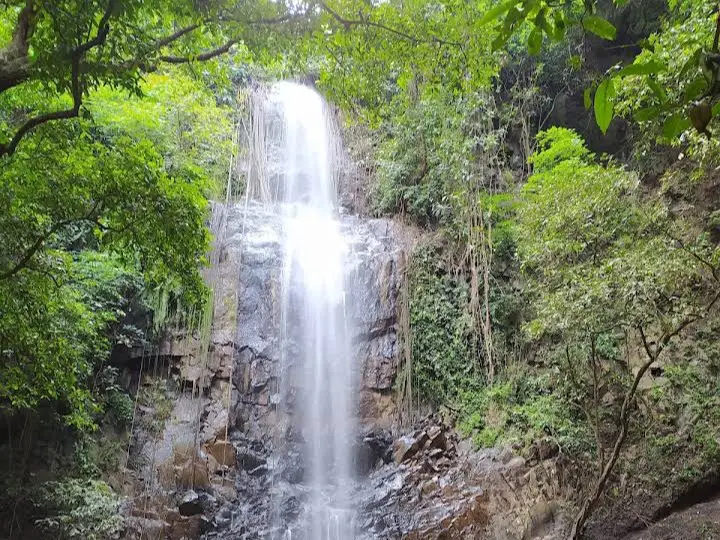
(589, 504)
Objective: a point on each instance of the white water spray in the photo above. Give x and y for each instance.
(297, 173)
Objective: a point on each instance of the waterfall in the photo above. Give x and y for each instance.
(292, 168)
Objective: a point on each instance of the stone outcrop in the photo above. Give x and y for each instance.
(437, 488)
(230, 434)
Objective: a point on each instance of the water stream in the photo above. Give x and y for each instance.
(298, 180)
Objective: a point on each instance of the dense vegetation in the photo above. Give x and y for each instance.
(561, 158)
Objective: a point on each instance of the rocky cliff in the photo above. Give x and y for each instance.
(232, 429)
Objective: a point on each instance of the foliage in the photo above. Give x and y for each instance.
(687, 403)
(604, 262)
(523, 408)
(118, 186)
(449, 358)
(672, 84)
(70, 49)
(179, 113)
(155, 396)
(79, 509)
(600, 257)
(129, 182)
(370, 53)
(427, 155)
(441, 329)
(54, 331)
(555, 146)
(117, 404)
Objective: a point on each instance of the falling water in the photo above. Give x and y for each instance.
(293, 168)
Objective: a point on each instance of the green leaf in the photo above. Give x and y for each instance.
(648, 68)
(541, 21)
(587, 98)
(498, 10)
(535, 41)
(646, 113)
(558, 30)
(507, 29)
(604, 104)
(500, 41)
(599, 27)
(513, 16)
(692, 62)
(658, 90)
(646, 45)
(675, 125)
(695, 88)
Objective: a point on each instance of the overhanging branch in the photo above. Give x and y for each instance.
(40, 241)
(14, 61)
(77, 57)
(364, 21)
(202, 57)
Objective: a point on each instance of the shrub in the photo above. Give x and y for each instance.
(79, 509)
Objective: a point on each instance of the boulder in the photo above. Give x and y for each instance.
(184, 528)
(249, 459)
(436, 438)
(190, 504)
(407, 446)
(192, 474)
(224, 453)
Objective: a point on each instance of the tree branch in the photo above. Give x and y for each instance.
(40, 241)
(652, 353)
(591, 501)
(14, 61)
(348, 23)
(77, 57)
(167, 40)
(202, 57)
(713, 269)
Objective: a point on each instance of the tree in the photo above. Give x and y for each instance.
(603, 262)
(117, 175)
(73, 47)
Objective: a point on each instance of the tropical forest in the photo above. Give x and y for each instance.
(359, 270)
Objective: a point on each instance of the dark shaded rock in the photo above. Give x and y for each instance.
(194, 503)
(206, 524)
(436, 438)
(222, 519)
(249, 459)
(403, 448)
(407, 446)
(190, 505)
(374, 448)
(290, 508)
(542, 450)
(259, 375)
(293, 468)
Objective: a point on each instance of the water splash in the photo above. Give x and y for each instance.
(294, 169)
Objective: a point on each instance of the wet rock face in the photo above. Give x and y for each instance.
(267, 396)
(433, 489)
(265, 389)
